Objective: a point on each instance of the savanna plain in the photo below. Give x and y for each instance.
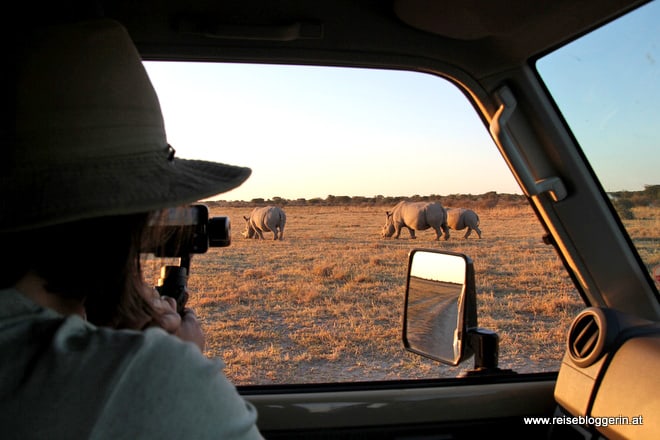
(325, 304)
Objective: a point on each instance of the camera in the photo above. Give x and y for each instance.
(181, 231)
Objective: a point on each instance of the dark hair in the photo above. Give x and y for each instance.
(95, 260)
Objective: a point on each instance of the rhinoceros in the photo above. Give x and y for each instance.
(264, 219)
(416, 216)
(461, 218)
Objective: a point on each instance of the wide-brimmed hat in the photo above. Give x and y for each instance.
(89, 137)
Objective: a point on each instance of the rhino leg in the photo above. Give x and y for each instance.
(260, 234)
(412, 233)
(445, 229)
(469, 231)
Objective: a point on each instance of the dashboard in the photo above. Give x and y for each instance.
(608, 379)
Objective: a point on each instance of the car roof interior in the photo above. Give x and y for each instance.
(481, 37)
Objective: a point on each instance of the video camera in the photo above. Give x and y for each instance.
(181, 232)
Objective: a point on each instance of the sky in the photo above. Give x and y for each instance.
(607, 85)
(310, 132)
(439, 267)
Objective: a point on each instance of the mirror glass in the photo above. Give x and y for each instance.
(433, 324)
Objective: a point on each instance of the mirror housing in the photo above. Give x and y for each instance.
(440, 305)
(440, 313)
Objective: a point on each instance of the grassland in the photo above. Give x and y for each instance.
(325, 304)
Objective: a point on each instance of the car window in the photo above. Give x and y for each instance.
(335, 148)
(607, 87)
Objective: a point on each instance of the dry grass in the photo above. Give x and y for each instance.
(325, 304)
(644, 230)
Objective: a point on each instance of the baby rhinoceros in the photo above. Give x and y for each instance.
(461, 218)
(264, 219)
(416, 216)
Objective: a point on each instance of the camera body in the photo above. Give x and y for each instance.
(189, 230)
(179, 233)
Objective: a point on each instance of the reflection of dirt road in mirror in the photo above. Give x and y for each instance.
(432, 316)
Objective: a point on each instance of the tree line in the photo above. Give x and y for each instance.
(486, 200)
(623, 201)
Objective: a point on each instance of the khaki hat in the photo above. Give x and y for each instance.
(89, 137)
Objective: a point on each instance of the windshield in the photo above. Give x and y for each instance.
(608, 88)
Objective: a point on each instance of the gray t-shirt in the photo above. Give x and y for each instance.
(62, 377)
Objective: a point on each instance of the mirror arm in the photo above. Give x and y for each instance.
(485, 345)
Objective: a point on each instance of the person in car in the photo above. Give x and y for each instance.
(89, 348)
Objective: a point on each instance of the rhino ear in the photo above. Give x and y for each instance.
(388, 213)
(246, 218)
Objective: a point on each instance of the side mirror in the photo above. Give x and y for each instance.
(440, 314)
(440, 305)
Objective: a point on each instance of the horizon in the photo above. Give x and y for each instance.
(389, 198)
(374, 197)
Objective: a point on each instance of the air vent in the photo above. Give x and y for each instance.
(586, 337)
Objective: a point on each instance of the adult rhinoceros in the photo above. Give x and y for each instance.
(264, 219)
(461, 218)
(416, 216)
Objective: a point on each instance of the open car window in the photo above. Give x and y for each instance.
(607, 87)
(336, 148)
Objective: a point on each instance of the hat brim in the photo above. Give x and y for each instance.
(117, 187)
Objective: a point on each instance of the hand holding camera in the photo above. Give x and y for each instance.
(183, 324)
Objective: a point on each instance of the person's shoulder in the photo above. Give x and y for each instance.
(154, 358)
(13, 304)
(173, 377)
(159, 346)
(148, 349)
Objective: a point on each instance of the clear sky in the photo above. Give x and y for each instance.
(607, 84)
(314, 131)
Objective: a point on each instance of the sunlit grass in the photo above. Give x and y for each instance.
(325, 304)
